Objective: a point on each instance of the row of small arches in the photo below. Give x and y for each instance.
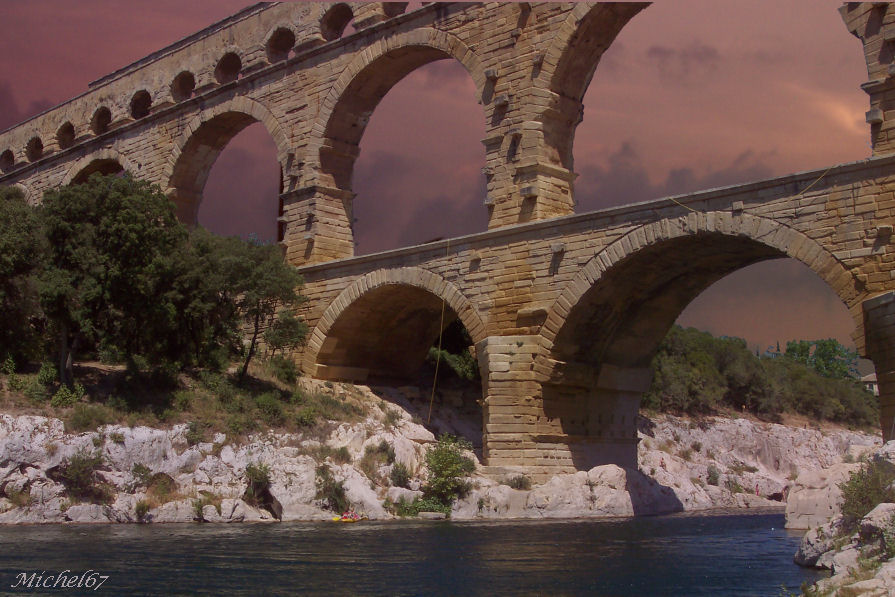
(278, 46)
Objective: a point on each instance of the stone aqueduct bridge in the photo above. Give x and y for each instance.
(565, 310)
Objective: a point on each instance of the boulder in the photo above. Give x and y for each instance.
(876, 520)
(815, 497)
(87, 513)
(814, 544)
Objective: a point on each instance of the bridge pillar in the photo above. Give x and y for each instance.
(317, 223)
(879, 330)
(546, 417)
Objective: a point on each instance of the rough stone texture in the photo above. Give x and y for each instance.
(815, 497)
(565, 310)
(672, 476)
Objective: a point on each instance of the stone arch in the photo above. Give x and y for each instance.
(102, 161)
(755, 239)
(339, 126)
(435, 289)
(336, 133)
(202, 141)
(26, 193)
(570, 62)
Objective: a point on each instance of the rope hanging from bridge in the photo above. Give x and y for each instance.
(447, 251)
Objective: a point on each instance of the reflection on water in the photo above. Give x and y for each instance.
(671, 555)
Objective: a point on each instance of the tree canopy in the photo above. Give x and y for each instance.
(118, 275)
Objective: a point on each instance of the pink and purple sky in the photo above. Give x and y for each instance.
(693, 94)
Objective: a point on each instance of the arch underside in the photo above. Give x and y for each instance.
(384, 334)
(625, 315)
(102, 166)
(202, 150)
(356, 104)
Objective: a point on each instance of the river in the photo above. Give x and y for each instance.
(718, 554)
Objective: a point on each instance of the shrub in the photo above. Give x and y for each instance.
(116, 437)
(447, 467)
(713, 475)
(306, 417)
(8, 367)
(141, 509)
(520, 482)
(284, 369)
(36, 391)
(374, 456)
(270, 408)
(866, 488)
(47, 374)
(258, 477)
(733, 485)
(195, 433)
(341, 455)
(78, 474)
(161, 487)
(400, 475)
(392, 418)
(141, 473)
(423, 504)
(329, 490)
(67, 397)
(88, 416)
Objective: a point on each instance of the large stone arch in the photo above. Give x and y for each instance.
(202, 141)
(757, 237)
(570, 62)
(348, 105)
(370, 287)
(102, 161)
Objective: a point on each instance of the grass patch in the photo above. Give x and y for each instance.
(374, 457)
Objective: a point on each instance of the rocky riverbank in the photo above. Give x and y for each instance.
(162, 475)
(857, 540)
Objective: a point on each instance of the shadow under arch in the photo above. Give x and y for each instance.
(349, 105)
(105, 161)
(383, 324)
(203, 140)
(603, 330)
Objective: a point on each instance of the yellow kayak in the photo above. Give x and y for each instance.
(348, 519)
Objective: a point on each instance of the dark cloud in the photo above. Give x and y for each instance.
(10, 114)
(685, 65)
(625, 179)
(397, 205)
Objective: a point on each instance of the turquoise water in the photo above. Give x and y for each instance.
(668, 555)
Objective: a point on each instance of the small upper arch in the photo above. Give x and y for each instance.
(335, 20)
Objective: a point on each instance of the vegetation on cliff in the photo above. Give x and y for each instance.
(696, 373)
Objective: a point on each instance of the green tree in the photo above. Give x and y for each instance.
(827, 357)
(287, 332)
(22, 250)
(109, 279)
(267, 286)
(448, 468)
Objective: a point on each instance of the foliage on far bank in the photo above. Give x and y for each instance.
(696, 373)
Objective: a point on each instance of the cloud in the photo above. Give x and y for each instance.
(625, 178)
(685, 65)
(9, 111)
